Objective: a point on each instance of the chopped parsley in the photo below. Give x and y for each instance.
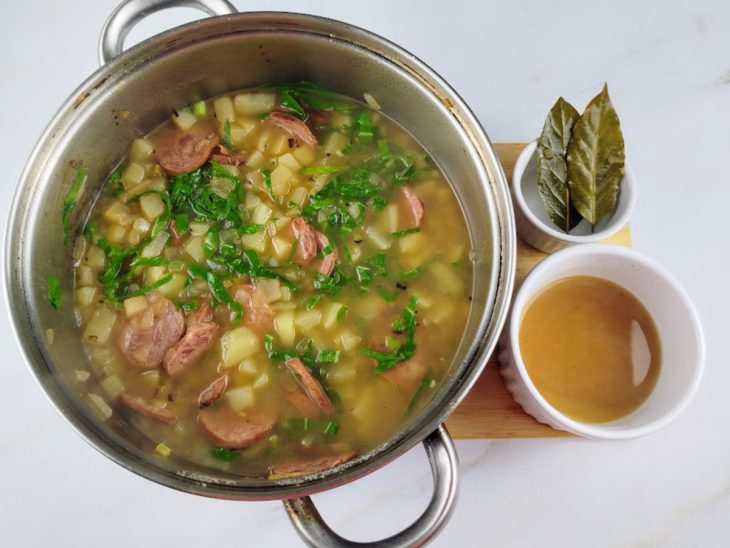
(401, 233)
(221, 453)
(54, 291)
(69, 202)
(407, 325)
(114, 182)
(226, 140)
(288, 101)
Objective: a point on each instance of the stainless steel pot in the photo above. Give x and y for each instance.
(134, 91)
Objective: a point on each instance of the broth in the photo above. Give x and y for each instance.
(591, 348)
(272, 296)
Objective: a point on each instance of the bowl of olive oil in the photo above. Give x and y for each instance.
(602, 342)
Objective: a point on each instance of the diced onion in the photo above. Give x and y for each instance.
(155, 247)
(100, 406)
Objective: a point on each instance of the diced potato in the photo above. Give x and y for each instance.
(248, 367)
(341, 373)
(254, 103)
(153, 274)
(365, 406)
(370, 306)
(261, 214)
(334, 142)
(174, 286)
(223, 107)
(237, 345)
(348, 340)
(252, 200)
(341, 120)
(141, 150)
(284, 326)
(442, 312)
(307, 319)
(152, 206)
(141, 225)
(257, 241)
(288, 160)
(163, 450)
(281, 247)
(100, 326)
(85, 295)
(184, 119)
(377, 238)
(112, 386)
(262, 382)
(304, 154)
(255, 160)
(270, 289)
(240, 398)
(100, 406)
(82, 375)
(199, 229)
(278, 143)
(446, 278)
(119, 213)
(95, 257)
(240, 130)
(298, 195)
(84, 275)
(389, 218)
(330, 318)
(116, 234)
(133, 175)
(412, 243)
(134, 237)
(281, 178)
(222, 186)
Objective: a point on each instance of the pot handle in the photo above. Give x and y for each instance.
(130, 12)
(445, 469)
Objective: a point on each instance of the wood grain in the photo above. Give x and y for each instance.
(489, 411)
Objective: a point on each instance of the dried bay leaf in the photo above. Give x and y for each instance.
(552, 171)
(596, 159)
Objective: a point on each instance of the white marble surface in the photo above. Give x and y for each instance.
(668, 68)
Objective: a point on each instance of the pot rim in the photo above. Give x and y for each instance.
(492, 320)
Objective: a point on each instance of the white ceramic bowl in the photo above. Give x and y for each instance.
(536, 228)
(680, 334)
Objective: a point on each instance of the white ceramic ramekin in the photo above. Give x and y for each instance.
(536, 228)
(680, 333)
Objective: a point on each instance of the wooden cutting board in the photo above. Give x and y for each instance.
(489, 411)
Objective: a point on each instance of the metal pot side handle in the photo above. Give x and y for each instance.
(445, 469)
(130, 12)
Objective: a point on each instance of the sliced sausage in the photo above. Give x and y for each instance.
(225, 428)
(303, 405)
(328, 263)
(213, 391)
(408, 374)
(146, 336)
(308, 467)
(185, 151)
(204, 313)
(307, 241)
(197, 340)
(310, 385)
(294, 127)
(411, 206)
(226, 156)
(259, 316)
(148, 408)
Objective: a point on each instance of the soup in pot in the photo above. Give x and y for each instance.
(273, 281)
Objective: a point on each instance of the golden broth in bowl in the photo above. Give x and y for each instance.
(590, 348)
